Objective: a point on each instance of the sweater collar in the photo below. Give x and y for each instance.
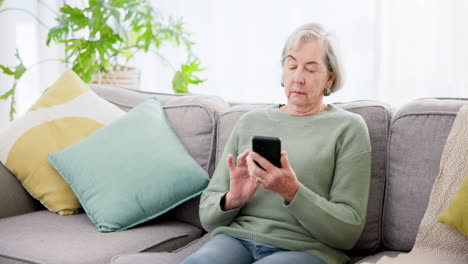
(275, 114)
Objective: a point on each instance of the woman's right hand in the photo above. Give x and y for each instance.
(242, 186)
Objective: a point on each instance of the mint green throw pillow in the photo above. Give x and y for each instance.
(132, 170)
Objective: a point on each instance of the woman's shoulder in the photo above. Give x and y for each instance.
(347, 116)
(348, 120)
(257, 113)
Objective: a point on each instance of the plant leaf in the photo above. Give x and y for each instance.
(179, 83)
(20, 69)
(186, 76)
(119, 3)
(7, 70)
(8, 94)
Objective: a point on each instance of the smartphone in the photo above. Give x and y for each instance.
(269, 148)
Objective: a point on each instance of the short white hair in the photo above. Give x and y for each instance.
(315, 31)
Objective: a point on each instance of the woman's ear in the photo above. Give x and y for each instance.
(331, 79)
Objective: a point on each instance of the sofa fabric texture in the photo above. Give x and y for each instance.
(47, 238)
(418, 134)
(162, 257)
(15, 200)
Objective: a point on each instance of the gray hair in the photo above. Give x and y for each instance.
(314, 31)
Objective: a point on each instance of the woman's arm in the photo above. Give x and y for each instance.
(338, 221)
(211, 210)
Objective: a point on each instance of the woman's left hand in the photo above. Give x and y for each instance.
(280, 180)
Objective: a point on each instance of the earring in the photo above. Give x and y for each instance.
(282, 83)
(327, 92)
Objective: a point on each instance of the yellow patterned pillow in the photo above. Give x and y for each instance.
(66, 113)
(456, 214)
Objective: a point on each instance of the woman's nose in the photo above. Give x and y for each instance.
(298, 77)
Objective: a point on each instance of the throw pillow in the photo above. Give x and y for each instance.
(66, 113)
(456, 214)
(132, 170)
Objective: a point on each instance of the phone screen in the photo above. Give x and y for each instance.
(269, 148)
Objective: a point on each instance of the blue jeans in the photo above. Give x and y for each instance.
(224, 249)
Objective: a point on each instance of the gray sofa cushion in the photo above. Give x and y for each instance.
(44, 237)
(193, 118)
(375, 258)
(418, 134)
(377, 116)
(14, 199)
(163, 257)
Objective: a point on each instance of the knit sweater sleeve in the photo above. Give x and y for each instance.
(338, 220)
(211, 213)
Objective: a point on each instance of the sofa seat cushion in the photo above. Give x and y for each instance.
(44, 237)
(375, 258)
(162, 257)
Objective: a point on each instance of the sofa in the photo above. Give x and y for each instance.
(407, 144)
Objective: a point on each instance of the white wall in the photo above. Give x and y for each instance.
(393, 50)
(21, 31)
(240, 43)
(423, 49)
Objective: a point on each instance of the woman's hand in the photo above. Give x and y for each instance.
(280, 180)
(242, 186)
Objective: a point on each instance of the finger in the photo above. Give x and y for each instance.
(284, 160)
(254, 170)
(250, 165)
(230, 161)
(262, 161)
(241, 159)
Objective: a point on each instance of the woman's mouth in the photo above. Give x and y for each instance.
(297, 92)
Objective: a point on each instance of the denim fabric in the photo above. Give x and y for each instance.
(258, 250)
(224, 249)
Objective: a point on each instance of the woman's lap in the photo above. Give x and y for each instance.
(228, 250)
(221, 249)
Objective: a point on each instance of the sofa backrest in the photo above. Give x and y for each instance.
(418, 133)
(377, 116)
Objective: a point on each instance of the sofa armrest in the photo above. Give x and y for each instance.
(14, 199)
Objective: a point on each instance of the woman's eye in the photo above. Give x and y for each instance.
(310, 70)
(292, 66)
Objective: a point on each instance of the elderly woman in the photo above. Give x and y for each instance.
(314, 207)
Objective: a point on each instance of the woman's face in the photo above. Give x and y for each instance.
(305, 74)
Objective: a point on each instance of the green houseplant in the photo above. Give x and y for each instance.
(104, 35)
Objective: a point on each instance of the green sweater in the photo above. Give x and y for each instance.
(330, 153)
